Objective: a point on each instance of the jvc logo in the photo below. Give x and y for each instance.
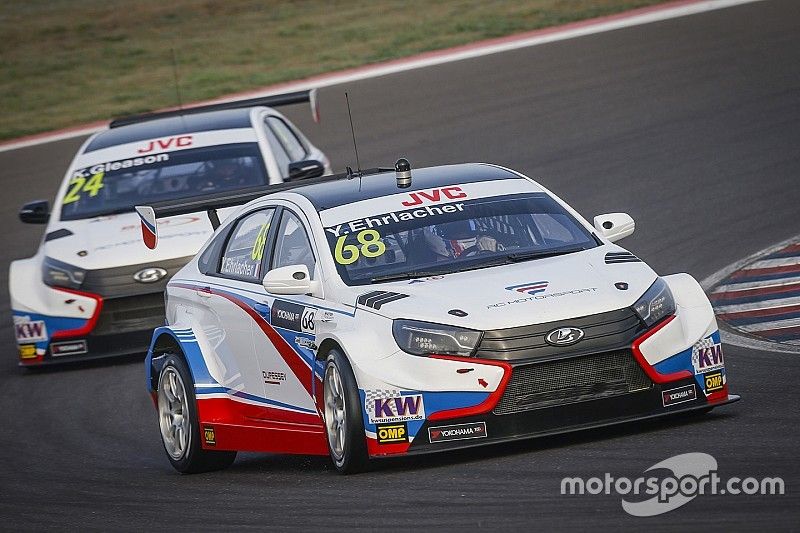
(177, 142)
(435, 195)
(397, 409)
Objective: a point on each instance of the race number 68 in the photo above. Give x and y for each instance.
(371, 246)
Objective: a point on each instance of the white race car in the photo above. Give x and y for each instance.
(417, 311)
(91, 290)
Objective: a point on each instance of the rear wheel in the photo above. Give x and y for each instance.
(179, 424)
(344, 424)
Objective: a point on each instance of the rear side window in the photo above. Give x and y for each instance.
(244, 251)
(294, 148)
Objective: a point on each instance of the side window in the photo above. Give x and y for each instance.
(287, 138)
(291, 245)
(244, 251)
(281, 157)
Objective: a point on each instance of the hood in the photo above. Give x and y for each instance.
(116, 240)
(532, 292)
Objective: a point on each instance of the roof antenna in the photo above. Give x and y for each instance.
(175, 74)
(355, 146)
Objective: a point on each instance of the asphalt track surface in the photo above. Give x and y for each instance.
(690, 125)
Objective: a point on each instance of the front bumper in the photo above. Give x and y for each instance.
(643, 405)
(124, 326)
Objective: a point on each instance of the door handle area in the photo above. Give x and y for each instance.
(203, 292)
(262, 309)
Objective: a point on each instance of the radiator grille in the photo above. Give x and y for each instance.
(578, 379)
(131, 313)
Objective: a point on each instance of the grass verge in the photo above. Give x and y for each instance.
(68, 62)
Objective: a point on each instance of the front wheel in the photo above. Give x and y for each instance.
(344, 424)
(179, 424)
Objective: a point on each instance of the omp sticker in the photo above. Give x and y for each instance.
(30, 330)
(713, 381)
(391, 433)
(27, 351)
(394, 409)
(209, 435)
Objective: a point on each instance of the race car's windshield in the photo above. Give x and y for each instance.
(117, 186)
(451, 237)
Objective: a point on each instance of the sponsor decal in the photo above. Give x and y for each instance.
(394, 408)
(119, 165)
(68, 348)
(532, 287)
(209, 435)
(564, 336)
(305, 342)
(687, 393)
(150, 275)
(27, 351)
(707, 356)
(28, 330)
(239, 266)
(474, 430)
(292, 316)
(713, 382)
(391, 433)
(536, 297)
(434, 196)
(393, 217)
(181, 141)
(273, 378)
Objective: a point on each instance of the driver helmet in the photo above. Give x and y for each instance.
(455, 237)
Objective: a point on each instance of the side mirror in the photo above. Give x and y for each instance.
(301, 170)
(37, 212)
(292, 279)
(614, 226)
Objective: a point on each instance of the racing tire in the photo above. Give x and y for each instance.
(344, 422)
(179, 424)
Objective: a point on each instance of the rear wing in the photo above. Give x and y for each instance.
(275, 100)
(210, 203)
(149, 214)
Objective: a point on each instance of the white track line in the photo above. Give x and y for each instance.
(493, 46)
(729, 335)
(755, 306)
(775, 324)
(772, 263)
(757, 284)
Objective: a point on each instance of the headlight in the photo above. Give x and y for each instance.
(59, 274)
(656, 303)
(423, 338)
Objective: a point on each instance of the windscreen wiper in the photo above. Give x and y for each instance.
(409, 275)
(526, 256)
